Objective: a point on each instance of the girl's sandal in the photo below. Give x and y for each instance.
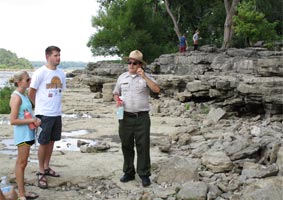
(41, 180)
(31, 195)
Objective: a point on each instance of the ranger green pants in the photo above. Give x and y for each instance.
(136, 131)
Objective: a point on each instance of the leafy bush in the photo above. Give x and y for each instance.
(5, 95)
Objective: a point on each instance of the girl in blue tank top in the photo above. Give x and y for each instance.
(24, 136)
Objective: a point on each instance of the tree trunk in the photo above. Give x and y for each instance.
(176, 28)
(231, 9)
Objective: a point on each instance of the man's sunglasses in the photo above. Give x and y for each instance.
(134, 63)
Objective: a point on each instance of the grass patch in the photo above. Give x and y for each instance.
(204, 109)
(187, 106)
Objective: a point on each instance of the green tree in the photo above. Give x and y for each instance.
(210, 26)
(252, 25)
(190, 15)
(125, 25)
(9, 60)
(154, 26)
(272, 10)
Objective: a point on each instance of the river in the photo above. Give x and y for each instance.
(4, 77)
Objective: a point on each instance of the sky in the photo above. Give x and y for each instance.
(27, 27)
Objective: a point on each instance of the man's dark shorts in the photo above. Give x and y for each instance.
(51, 129)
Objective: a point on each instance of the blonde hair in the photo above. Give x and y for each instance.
(18, 76)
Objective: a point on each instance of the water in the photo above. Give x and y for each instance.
(65, 144)
(76, 116)
(9, 148)
(4, 120)
(71, 144)
(74, 133)
(4, 77)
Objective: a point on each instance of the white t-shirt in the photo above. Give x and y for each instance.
(49, 85)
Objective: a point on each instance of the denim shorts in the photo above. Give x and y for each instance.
(51, 129)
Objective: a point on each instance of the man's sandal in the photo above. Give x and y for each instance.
(41, 180)
(51, 172)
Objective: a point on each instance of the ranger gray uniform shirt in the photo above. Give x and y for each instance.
(134, 91)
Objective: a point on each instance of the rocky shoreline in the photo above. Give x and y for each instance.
(200, 149)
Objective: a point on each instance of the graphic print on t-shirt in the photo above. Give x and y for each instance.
(55, 87)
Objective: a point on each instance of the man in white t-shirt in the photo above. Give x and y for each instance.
(45, 92)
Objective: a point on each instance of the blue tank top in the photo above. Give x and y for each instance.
(22, 133)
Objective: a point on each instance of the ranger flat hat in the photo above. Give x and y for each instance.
(136, 55)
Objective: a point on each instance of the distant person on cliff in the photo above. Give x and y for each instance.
(24, 136)
(134, 129)
(183, 43)
(46, 94)
(195, 40)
